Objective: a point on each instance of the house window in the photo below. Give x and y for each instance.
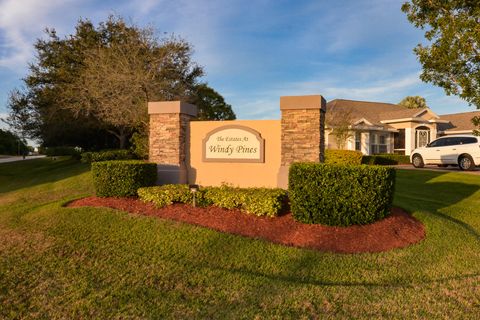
(378, 143)
(382, 139)
(358, 141)
(399, 141)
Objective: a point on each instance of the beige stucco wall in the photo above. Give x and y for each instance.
(235, 173)
(410, 133)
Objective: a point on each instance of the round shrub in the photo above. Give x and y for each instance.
(122, 178)
(340, 195)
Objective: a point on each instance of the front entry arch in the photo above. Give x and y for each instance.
(422, 136)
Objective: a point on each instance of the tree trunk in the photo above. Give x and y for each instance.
(121, 135)
(123, 139)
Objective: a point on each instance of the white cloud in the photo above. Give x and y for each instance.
(20, 23)
(3, 125)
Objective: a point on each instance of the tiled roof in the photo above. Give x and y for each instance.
(374, 112)
(458, 121)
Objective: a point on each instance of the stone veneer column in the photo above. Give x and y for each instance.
(303, 132)
(169, 122)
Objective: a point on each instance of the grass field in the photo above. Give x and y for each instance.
(58, 262)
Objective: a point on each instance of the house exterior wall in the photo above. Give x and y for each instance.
(410, 128)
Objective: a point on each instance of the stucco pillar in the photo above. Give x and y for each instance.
(303, 132)
(169, 122)
(409, 141)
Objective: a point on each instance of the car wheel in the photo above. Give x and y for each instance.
(465, 162)
(417, 161)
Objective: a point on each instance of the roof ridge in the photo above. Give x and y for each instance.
(395, 104)
(451, 114)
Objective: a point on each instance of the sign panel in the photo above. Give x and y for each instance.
(233, 144)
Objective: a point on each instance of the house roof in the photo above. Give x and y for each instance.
(379, 114)
(374, 112)
(458, 121)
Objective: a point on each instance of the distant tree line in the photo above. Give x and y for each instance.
(11, 144)
(91, 89)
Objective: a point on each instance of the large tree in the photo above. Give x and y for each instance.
(211, 105)
(101, 78)
(451, 58)
(414, 102)
(36, 110)
(118, 80)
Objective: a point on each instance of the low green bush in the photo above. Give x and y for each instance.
(386, 159)
(340, 195)
(257, 201)
(342, 157)
(107, 155)
(168, 194)
(63, 151)
(122, 178)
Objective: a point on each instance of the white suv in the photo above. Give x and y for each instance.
(461, 150)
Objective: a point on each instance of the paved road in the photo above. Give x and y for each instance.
(476, 171)
(13, 159)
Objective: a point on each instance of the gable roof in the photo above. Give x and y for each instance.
(374, 112)
(458, 121)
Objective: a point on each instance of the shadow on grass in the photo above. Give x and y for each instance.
(306, 281)
(24, 174)
(416, 191)
(419, 191)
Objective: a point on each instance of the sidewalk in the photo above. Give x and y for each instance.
(19, 158)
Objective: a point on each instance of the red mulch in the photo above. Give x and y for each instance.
(398, 230)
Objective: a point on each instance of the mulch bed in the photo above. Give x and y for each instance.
(398, 230)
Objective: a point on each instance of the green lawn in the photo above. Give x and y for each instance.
(66, 263)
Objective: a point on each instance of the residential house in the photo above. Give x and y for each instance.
(378, 127)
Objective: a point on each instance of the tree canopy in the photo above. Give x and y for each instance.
(11, 144)
(92, 87)
(211, 105)
(413, 102)
(451, 59)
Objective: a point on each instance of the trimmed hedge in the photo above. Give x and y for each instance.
(342, 157)
(386, 159)
(257, 201)
(122, 178)
(339, 195)
(107, 155)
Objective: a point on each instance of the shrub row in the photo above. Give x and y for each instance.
(386, 159)
(257, 201)
(62, 151)
(107, 155)
(342, 157)
(340, 195)
(122, 178)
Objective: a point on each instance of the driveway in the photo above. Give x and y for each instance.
(476, 171)
(20, 158)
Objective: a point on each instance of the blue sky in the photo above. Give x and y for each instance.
(254, 51)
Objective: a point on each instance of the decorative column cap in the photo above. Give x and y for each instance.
(303, 102)
(159, 107)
